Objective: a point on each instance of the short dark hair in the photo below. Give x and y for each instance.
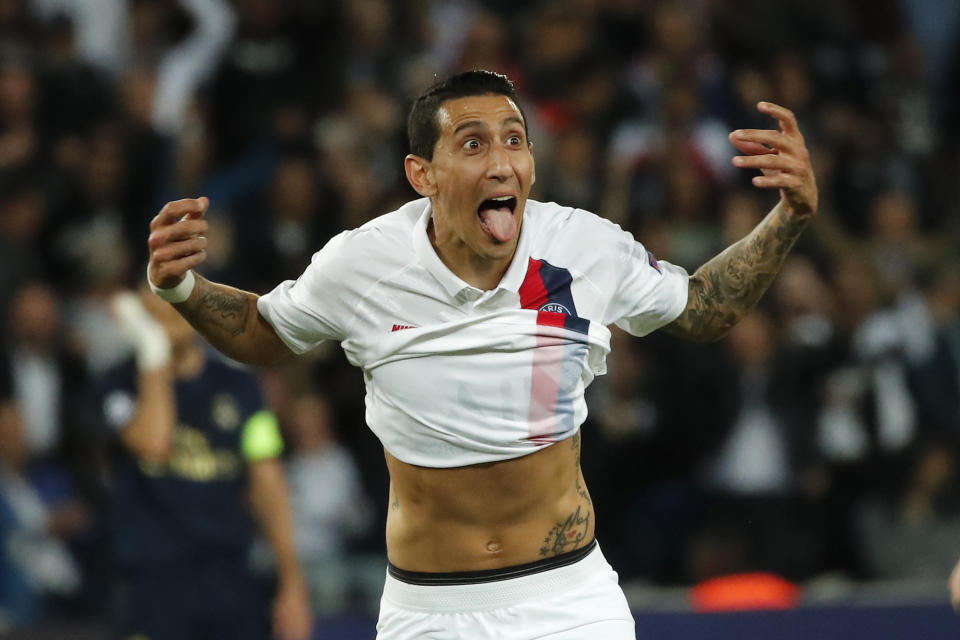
(423, 130)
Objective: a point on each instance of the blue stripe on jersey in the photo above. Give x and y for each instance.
(580, 325)
(557, 283)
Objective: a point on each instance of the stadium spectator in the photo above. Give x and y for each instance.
(39, 569)
(329, 507)
(753, 474)
(49, 379)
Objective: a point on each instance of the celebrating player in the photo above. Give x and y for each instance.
(479, 317)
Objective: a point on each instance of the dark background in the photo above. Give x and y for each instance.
(818, 440)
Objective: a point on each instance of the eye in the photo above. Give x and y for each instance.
(514, 141)
(471, 145)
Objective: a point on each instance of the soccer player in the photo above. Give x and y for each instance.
(478, 317)
(197, 450)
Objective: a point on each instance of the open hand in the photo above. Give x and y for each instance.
(783, 158)
(176, 241)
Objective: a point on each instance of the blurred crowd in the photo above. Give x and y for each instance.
(820, 438)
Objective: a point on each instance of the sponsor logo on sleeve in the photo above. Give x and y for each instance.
(652, 259)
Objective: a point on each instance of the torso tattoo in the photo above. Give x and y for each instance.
(569, 534)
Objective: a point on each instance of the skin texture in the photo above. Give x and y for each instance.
(474, 518)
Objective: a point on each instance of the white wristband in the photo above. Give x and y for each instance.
(147, 337)
(175, 294)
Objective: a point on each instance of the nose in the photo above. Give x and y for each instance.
(499, 166)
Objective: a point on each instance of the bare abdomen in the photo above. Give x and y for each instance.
(490, 515)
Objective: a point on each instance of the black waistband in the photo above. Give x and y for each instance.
(491, 575)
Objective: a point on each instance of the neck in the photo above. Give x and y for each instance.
(476, 270)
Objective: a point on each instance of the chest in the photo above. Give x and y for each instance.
(415, 300)
(215, 414)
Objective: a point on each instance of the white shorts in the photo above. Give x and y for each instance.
(578, 601)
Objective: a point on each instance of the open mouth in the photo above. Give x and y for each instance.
(496, 217)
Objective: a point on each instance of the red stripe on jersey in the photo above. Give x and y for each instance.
(533, 292)
(551, 318)
(547, 365)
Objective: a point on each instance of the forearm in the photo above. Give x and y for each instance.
(271, 506)
(727, 287)
(228, 319)
(149, 435)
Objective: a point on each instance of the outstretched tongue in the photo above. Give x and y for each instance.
(500, 223)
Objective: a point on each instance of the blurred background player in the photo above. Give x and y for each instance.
(195, 445)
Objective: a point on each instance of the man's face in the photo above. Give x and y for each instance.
(482, 171)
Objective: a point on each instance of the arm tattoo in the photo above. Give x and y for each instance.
(228, 319)
(228, 310)
(727, 287)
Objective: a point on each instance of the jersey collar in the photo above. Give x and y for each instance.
(451, 282)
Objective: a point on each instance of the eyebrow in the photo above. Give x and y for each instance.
(478, 123)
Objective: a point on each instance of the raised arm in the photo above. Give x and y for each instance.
(728, 286)
(226, 317)
(149, 433)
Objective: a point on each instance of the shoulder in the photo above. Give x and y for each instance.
(565, 229)
(231, 389)
(386, 239)
(229, 376)
(394, 229)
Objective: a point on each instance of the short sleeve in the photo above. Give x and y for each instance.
(261, 437)
(317, 306)
(648, 293)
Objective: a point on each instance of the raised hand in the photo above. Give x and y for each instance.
(176, 242)
(783, 158)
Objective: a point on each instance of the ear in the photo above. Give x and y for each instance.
(533, 176)
(419, 175)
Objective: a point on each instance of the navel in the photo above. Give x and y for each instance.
(494, 546)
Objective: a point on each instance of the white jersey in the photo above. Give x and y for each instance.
(456, 375)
